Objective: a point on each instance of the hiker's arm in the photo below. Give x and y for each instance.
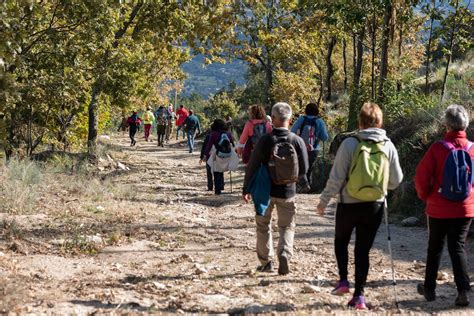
(245, 134)
(209, 145)
(204, 146)
(256, 159)
(297, 125)
(339, 171)
(396, 173)
(424, 174)
(323, 131)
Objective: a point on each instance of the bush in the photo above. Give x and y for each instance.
(19, 186)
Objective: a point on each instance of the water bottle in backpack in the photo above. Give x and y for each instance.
(457, 173)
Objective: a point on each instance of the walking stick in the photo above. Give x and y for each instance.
(389, 241)
(231, 191)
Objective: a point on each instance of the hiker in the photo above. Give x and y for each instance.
(221, 139)
(254, 129)
(191, 125)
(285, 156)
(171, 122)
(361, 203)
(133, 123)
(445, 187)
(181, 114)
(148, 119)
(161, 116)
(123, 126)
(312, 129)
(203, 158)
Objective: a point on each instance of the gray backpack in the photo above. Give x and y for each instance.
(283, 164)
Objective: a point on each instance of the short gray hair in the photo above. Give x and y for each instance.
(456, 118)
(282, 111)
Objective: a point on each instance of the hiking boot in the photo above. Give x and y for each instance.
(357, 302)
(283, 268)
(267, 267)
(462, 299)
(342, 287)
(430, 295)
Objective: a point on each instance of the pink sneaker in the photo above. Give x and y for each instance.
(357, 302)
(342, 287)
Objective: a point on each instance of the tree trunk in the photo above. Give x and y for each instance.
(450, 52)
(400, 48)
(330, 68)
(355, 94)
(385, 45)
(269, 83)
(93, 122)
(428, 56)
(344, 63)
(373, 34)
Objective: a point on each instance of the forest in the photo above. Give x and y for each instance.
(70, 71)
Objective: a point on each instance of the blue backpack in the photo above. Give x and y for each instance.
(259, 130)
(224, 147)
(457, 174)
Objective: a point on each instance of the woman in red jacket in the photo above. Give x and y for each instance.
(446, 217)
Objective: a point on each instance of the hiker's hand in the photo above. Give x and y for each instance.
(246, 197)
(320, 209)
(238, 151)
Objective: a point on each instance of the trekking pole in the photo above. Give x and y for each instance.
(389, 241)
(231, 191)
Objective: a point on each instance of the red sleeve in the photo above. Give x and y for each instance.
(269, 127)
(425, 171)
(245, 133)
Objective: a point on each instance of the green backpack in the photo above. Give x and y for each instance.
(369, 173)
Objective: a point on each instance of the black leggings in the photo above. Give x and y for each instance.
(365, 218)
(455, 231)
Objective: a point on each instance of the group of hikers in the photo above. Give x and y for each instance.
(279, 159)
(165, 119)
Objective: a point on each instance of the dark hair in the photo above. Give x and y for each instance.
(219, 126)
(312, 109)
(181, 106)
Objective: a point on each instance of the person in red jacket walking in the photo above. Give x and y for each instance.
(446, 218)
(182, 115)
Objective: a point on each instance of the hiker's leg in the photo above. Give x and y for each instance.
(218, 182)
(344, 226)
(457, 234)
(437, 235)
(312, 155)
(177, 132)
(189, 141)
(264, 235)
(366, 230)
(286, 224)
(210, 180)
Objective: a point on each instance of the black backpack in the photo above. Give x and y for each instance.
(224, 146)
(284, 164)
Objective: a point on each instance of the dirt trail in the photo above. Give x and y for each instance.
(190, 251)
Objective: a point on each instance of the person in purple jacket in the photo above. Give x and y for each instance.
(221, 139)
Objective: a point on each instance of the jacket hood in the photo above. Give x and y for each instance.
(373, 134)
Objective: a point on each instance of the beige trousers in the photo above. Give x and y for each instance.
(286, 210)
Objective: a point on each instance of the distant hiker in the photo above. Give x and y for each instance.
(361, 198)
(444, 182)
(221, 139)
(191, 125)
(181, 114)
(171, 123)
(284, 155)
(312, 129)
(148, 119)
(254, 129)
(203, 158)
(123, 124)
(161, 116)
(133, 123)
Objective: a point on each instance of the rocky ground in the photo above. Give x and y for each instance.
(162, 244)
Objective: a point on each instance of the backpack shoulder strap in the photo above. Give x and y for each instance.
(468, 146)
(449, 146)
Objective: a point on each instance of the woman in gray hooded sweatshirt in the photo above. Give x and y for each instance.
(352, 213)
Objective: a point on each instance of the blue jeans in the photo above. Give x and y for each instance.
(190, 135)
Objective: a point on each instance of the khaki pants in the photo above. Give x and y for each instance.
(286, 210)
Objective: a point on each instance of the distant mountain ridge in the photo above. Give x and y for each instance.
(208, 79)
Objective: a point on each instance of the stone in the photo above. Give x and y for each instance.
(200, 270)
(94, 239)
(251, 272)
(264, 282)
(121, 166)
(442, 276)
(100, 208)
(418, 264)
(411, 221)
(308, 288)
